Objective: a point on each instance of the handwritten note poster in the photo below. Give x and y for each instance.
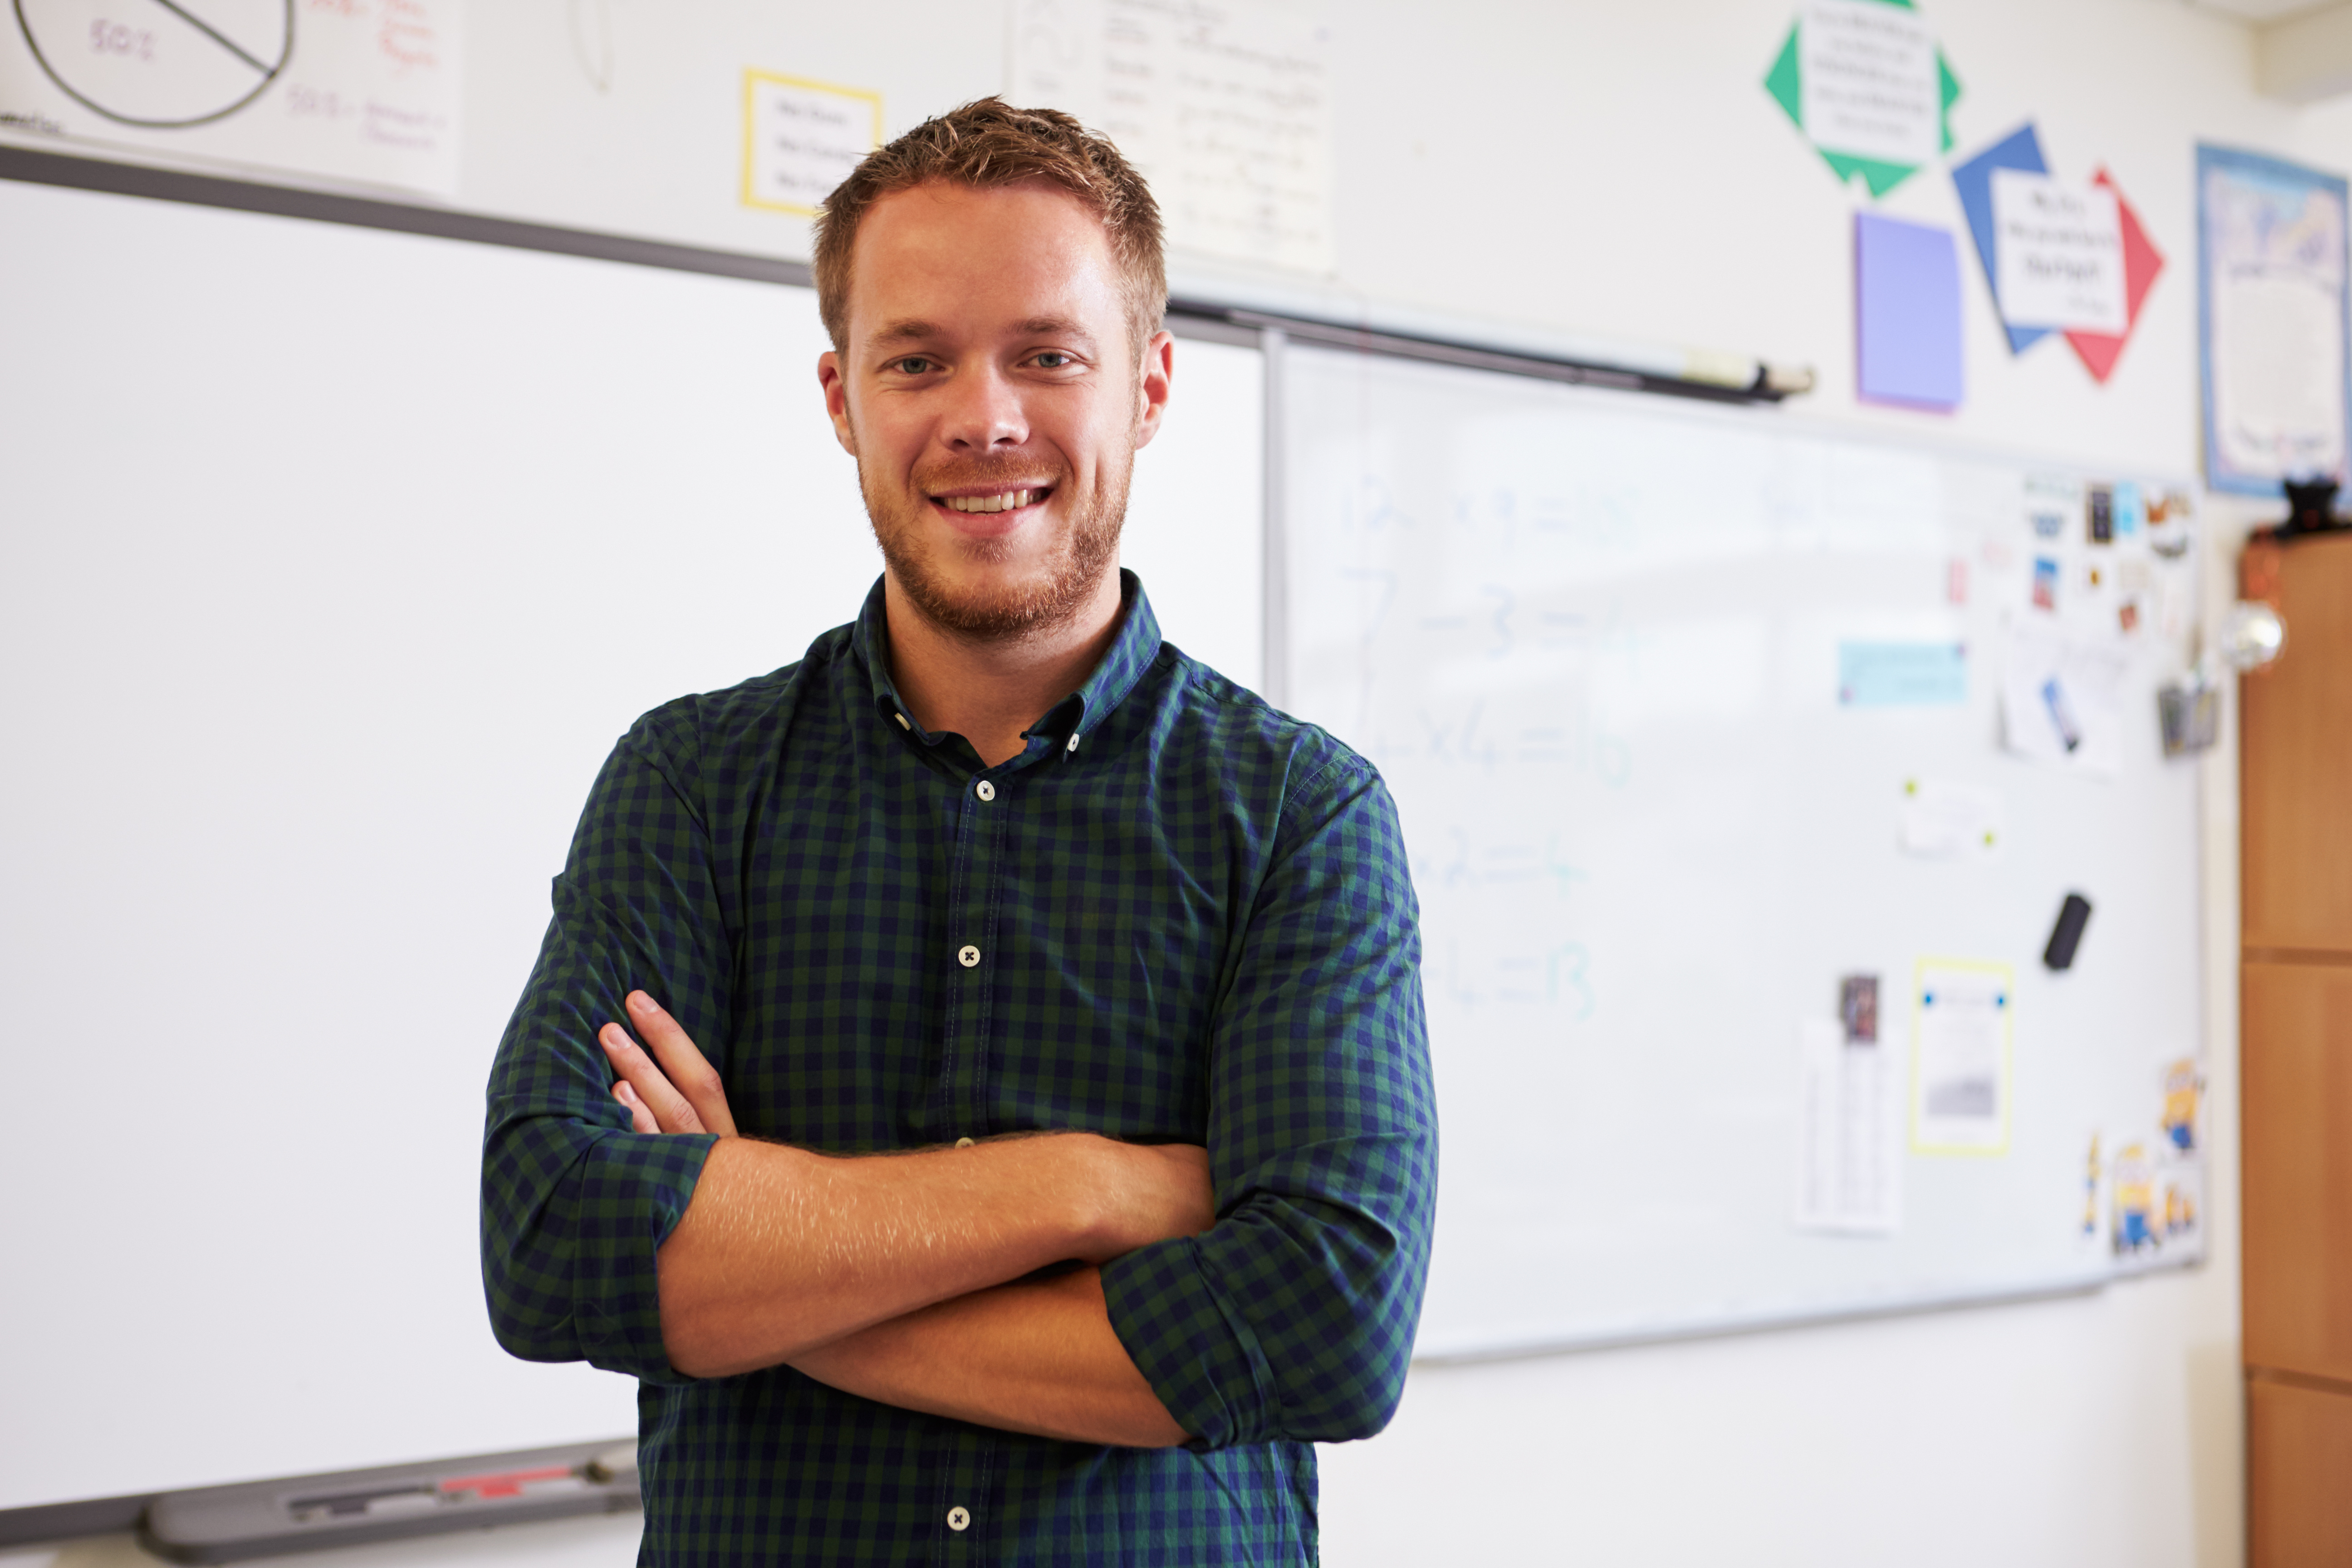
(364, 90)
(1226, 108)
(803, 138)
(1870, 83)
(1866, 82)
(2059, 254)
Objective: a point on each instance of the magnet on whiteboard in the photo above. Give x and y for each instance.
(2073, 915)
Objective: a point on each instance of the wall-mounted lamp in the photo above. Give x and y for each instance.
(2251, 635)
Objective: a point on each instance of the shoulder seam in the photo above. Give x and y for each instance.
(1342, 759)
(656, 759)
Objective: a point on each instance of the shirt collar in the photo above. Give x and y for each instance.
(1132, 648)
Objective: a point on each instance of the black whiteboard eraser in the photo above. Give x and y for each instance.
(2072, 916)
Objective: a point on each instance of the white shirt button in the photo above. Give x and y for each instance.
(985, 790)
(1074, 744)
(963, 1142)
(959, 1519)
(902, 722)
(968, 955)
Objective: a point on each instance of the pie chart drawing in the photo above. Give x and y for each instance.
(160, 64)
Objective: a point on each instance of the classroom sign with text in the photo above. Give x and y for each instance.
(2061, 255)
(1866, 84)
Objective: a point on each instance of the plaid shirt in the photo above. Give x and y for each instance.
(1193, 923)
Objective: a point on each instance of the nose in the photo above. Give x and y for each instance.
(984, 412)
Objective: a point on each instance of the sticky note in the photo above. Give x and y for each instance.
(1902, 674)
(1906, 312)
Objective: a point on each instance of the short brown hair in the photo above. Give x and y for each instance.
(989, 144)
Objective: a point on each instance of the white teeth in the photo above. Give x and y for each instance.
(1005, 502)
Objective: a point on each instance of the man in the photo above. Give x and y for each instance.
(1117, 962)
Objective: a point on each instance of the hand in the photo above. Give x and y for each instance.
(681, 1094)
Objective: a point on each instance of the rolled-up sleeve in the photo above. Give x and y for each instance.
(575, 1204)
(1293, 1317)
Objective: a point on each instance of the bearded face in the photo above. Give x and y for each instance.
(991, 388)
(990, 587)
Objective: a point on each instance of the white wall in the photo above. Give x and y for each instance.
(1617, 167)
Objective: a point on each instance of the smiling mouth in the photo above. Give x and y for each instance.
(1003, 500)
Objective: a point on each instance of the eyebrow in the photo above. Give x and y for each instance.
(913, 329)
(1054, 327)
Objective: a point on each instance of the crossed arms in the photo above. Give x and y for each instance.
(623, 1237)
(900, 1277)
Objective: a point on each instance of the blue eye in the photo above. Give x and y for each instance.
(1053, 359)
(913, 364)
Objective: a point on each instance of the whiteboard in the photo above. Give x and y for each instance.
(1593, 642)
(336, 562)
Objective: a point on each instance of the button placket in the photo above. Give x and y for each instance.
(962, 1093)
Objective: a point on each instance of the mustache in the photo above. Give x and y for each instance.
(992, 469)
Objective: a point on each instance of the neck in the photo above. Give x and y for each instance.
(989, 692)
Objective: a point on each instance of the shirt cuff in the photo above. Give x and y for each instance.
(628, 1194)
(1202, 1360)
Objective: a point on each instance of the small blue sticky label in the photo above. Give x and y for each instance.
(1903, 674)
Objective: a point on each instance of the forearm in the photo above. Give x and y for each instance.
(1038, 1357)
(782, 1250)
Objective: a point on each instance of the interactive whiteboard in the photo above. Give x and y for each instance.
(1663, 691)
(336, 561)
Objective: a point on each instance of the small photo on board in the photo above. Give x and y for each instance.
(2045, 583)
(1858, 1009)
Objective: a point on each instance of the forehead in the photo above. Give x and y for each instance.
(968, 258)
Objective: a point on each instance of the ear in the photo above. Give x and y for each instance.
(1151, 396)
(836, 399)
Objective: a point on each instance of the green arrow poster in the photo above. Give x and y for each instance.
(1866, 82)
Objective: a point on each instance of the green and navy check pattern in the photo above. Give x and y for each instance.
(1194, 924)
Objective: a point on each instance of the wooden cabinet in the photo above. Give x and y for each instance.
(2296, 1060)
(2296, 1085)
(2296, 1507)
(2297, 777)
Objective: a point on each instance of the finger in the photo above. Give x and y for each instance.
(640, 1119)
(683, 1063)
(671, 1112)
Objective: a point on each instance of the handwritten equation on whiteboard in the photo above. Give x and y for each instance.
(1491, 702)
(1574, 641)
(1225, 107)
